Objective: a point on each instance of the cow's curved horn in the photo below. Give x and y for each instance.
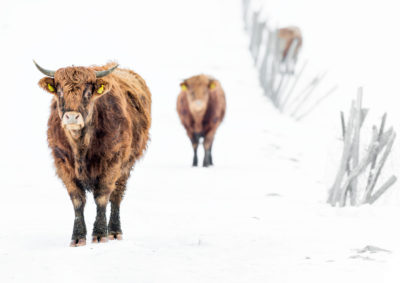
(100, 74)
(44, 71)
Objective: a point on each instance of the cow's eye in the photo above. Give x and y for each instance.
(88, 91)
(60, 92)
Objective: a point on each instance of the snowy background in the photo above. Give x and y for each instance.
(258, 215)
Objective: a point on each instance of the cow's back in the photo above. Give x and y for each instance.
(134, 88)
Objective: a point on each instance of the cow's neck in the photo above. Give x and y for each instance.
(79, 141)
(75, 134)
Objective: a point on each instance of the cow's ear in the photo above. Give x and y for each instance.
(48, 85)
(212, 84)
(101, 87)
(184, 86)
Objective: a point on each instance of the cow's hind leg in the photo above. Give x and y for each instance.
(211, 160)
(114, 224)
(208, 141)
(78, 199)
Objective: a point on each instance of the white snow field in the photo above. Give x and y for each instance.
(258, 215)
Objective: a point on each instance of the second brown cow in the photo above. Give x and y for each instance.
(201, 107)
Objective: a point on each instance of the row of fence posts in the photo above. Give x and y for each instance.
(278, 78)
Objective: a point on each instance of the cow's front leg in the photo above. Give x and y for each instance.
(195, 143)
(100, 231)
(78, 199)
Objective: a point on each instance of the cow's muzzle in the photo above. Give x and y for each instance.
(198, 105)
(72, 120)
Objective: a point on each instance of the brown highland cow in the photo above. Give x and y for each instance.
(98, 127)
(201, 107)
(286, 38)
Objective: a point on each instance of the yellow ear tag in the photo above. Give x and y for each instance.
(50, 87)
(101, 89)
(212, 85)
(183, 87)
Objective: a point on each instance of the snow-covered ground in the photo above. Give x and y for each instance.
(258, 215)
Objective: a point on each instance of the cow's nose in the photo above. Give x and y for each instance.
(198, 105)
(73, 118)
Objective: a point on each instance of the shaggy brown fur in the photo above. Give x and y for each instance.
(286, 36)
(201, 107)
(100, 156)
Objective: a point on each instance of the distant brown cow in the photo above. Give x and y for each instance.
(286, 37)
(98, 127)
(201, 108)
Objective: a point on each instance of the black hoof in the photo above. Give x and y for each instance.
(98, 239)
(115, 236)
(78, 242)
(114, 229)
(206, 164)
(194, 161)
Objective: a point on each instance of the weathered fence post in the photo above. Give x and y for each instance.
(347, 183)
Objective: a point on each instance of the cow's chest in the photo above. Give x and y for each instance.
(81, 168)
(89, 166)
